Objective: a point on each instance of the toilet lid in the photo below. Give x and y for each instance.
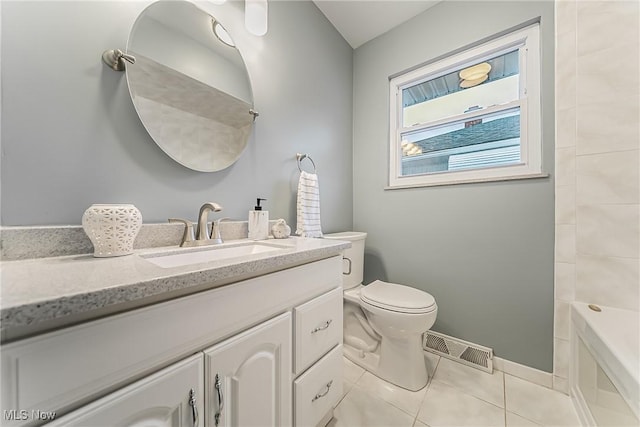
(397, 297)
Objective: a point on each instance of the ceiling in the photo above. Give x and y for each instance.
(359, 21)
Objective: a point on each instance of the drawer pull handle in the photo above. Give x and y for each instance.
(218, 388)
(323, 327)
(319, 395)
(194, 409)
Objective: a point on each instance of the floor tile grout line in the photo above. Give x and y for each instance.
(389, 402)
(535, 421)
(429, 381)
(353, 384)
(374, 395)
(344, 396)
(464, 391)
(360, 376)
(415, 417)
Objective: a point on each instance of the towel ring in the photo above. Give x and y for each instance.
(300, 157)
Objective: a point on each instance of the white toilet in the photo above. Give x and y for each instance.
(384, 322)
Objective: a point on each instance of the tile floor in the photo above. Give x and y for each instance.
(456, 395)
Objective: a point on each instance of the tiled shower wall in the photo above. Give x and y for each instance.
(597, 254)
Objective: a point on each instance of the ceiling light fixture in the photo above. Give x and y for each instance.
(410, 149)
(476, 71)
(473, 76)
(256, 16)
(473, 82)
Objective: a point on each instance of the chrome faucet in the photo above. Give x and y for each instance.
(202, 235)
(188, 238)
(216, 238)
(202, 232)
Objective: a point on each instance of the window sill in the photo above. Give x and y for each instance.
(469, 181)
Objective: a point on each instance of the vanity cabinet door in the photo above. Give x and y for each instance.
(248, 377)
(172, 397)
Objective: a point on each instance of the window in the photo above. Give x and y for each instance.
(473, 116)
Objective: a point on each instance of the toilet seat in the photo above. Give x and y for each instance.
(399, 298)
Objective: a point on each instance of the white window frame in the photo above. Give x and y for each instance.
(527, 40)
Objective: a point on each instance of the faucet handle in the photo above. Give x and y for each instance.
(215, 231)
(202, 232)
(188, 235)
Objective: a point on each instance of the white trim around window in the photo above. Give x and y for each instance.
(527, 42)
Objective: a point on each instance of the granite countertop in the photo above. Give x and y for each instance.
(43, 294)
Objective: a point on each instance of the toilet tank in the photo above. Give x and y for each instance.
(355, 253)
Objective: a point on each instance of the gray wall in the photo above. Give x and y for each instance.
(71, 137)
(484, 251)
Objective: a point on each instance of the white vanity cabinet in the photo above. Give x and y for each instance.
(119, 369)
(248, 377)
(171, 397)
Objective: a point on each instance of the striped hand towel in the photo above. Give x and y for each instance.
(308, 206)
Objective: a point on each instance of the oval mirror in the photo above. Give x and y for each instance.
(190, 85)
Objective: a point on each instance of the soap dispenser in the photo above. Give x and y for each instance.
(258, 222)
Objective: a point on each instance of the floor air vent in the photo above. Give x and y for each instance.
(461, 351)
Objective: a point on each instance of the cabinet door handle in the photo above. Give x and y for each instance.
(218, 387)
(194, 409)
(323, 327)
(323, 394)
(349, 271)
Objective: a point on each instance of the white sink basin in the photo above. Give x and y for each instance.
(211, 253)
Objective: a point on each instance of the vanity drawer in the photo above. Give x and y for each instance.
(318, 327)
(318, 391)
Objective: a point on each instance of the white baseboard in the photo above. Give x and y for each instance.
(533, 375)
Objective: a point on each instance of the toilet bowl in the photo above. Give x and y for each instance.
(384, 322)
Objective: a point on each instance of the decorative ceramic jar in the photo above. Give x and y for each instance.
(112, 228)
(280, 229)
